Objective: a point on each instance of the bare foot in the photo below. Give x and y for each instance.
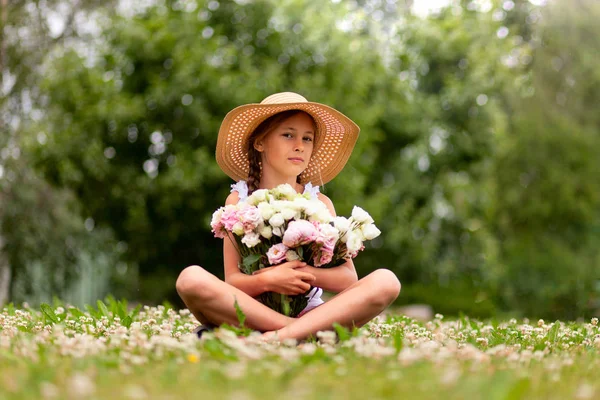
(270, 336)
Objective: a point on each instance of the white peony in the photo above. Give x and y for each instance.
(238, 229)
(353, 242)
(257, 197)
(329, 231)
(370, 231)
(361, 216)
(323, 216)
(266, 210)
(291, 255)
(342, 224)
(276, 220)
(251, 239)
(300, 204)
(266, 232)
(278, 231)
(288, 213)
(286, 191)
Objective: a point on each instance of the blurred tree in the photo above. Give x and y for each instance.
(547, 208)
(428, 174)
(133, 130)
(30, 33)
(458, 132)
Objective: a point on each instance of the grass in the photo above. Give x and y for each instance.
(112, 351)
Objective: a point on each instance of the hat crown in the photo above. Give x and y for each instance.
(284, 98)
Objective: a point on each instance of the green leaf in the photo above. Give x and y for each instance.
(127, 321)
(102, 308)
(240, 314)
(135, 311)
(77, 313)
(285, 304)
(49, 312)
(250, 260)
(93, 312)
(552, 335)
(342, 332)
(398, 338)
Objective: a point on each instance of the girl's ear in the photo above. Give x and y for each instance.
(258, 145)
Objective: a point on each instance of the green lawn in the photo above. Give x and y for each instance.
(111, 352)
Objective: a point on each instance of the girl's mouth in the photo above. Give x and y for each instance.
(296, 160)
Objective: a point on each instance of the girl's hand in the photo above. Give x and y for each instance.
(286, 278)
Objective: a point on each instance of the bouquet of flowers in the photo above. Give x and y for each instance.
(279, 225)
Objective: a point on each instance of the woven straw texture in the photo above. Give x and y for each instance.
(335, 137)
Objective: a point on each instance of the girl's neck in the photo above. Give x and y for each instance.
(268, 181)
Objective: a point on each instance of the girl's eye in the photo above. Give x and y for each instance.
(287, 135)
(308, 139)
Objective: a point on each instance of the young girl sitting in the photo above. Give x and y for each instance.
(285, 139)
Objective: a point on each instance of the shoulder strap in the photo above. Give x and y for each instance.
(242, 188)
(313, 190)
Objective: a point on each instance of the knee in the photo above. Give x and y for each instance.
(386, 286)
(193, 280)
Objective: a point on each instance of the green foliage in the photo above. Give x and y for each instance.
(476, 158)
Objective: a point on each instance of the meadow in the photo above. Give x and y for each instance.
(115, 351)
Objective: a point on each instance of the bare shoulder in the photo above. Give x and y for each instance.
(327, 201)
(233, 198)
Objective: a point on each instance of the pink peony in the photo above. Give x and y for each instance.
(217, 225)
(298, 233)
(322, 258)
(276, 253)
(325, 254)
(250, 218)
(230, 217)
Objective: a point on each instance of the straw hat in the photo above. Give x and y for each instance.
(334, 140)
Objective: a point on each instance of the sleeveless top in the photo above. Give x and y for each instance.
(314, 296)
(242, 188)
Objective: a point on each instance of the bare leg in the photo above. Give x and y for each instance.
(355, 306)
(212, 301)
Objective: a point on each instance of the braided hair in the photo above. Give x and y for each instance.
(254, 156)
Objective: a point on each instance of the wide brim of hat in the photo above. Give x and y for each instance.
(335, 139)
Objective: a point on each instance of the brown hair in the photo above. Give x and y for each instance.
(254, 157)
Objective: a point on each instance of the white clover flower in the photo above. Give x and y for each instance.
(370, 231)
(266, 232)
(361, 216)
(276, 220)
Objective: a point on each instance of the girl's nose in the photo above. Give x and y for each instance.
(299, 145)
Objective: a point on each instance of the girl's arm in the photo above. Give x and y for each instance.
(334, 279)
(253, 285)
(288, 279)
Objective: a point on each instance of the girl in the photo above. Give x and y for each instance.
(285, 139)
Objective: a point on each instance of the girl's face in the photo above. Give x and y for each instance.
(287, 149)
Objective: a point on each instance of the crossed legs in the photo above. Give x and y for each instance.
(212, 301)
